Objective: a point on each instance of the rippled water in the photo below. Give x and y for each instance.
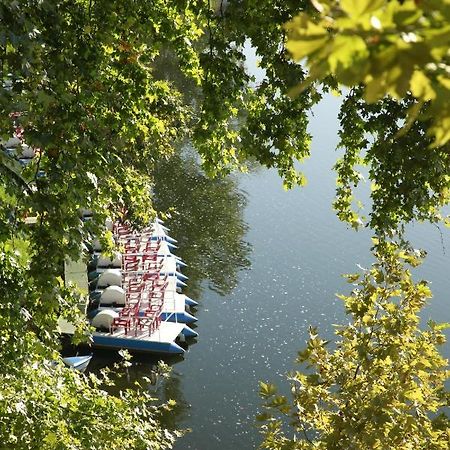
(264, 264)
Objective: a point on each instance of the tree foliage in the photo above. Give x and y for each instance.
(240, 119)
(383, 384)
(395, 120)
(77, 86)
(84, 83)
(45, 405)
(392, 47)
(408, 181)
(378, 386)
(80, 85)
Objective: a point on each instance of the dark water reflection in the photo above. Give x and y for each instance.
(207, 220)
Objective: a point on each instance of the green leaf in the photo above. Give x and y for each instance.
(263, 417)
(347, 51)
(303, 47)
(305, 37)
(267, 389)
(358, 8)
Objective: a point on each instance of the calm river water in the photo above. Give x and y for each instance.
(264, 264)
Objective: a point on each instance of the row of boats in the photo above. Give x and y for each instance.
(135, 300)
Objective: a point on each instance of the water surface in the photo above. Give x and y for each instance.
(264, 264)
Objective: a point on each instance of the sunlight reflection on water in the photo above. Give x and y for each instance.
(263, 266)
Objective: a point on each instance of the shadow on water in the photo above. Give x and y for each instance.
(206, 219)
(143, 371)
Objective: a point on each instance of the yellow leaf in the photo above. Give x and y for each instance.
(444, 81)
(367, 319)
(358, 8)
(414, 395)
(441, 131)
(51, 440)
(304, 36)
(302, 25)
(421, 86)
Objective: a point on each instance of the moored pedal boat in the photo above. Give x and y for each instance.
(78, 362)
(173, 307)
(135, 302)
(162, 340)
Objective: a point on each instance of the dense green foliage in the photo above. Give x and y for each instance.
(43, 404)
(78, 85)
(86, 84)
(247, 120)
(408, 181)
(392, 47)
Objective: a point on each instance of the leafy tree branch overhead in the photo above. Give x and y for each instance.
(396, 119)
(393, 55)
(78, 89)
(394, 48)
